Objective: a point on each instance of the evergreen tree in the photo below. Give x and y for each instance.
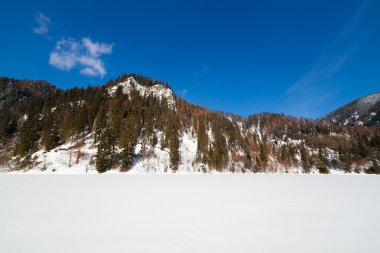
(128, 140)
(202, 145)
(174, 142)
(52, 139)
(362, 147)
(292, 154)
(8, 125)
(322, 161)
(29, 134)
(99, 123)
(375, 141)
(95, 104)
(305, 159)
(248, 155)
(345, 157)
(220, 150)
(376, 167)
(116, 119)
(80, 120)
(105, 154)
(68, 117)
(174, 150)
(263, 154)
(285, 156)
(50, 132)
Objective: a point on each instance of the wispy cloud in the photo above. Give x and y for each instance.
(202, 72)
(205, 69)
(43, 23)
(84, 55)
(95, 48)
(316, 85)
(182, 93)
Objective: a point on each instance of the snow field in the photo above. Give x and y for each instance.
(189, 213)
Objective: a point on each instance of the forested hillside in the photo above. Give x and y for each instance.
(137, 124)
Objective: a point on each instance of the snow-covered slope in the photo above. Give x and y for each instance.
(365, 110)
(157, 90)
(80, 157)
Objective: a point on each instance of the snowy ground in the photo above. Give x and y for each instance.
(189, 213)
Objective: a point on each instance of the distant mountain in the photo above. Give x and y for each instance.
(136, 124)
(13, 91)
(362, 111)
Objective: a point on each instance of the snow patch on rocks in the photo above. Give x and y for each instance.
(157, 90)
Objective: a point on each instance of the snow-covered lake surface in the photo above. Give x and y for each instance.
(189, 213)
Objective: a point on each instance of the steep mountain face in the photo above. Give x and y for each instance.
(136, 124)
(365, 110)
(13, 92)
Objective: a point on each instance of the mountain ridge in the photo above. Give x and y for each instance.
(363, 110)
(14, 91)
(136, 124)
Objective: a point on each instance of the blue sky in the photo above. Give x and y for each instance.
(303, 58)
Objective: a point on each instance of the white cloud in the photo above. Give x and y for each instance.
(43, 23)
(96, 48)
(64, 55)
(85, 55)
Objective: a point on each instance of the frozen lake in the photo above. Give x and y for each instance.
(189, 213)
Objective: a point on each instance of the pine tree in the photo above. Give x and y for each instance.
(375, 141)
(345, 157)
(305, 159)
(362, 147)
(119, 94)
(211, 156)
(174, 151)
(202, 145)
(95, 104)
(105, 154)
(220, 150)
(292, 154)
(51, 135)
(116, 119)
(80, 121)
(128, 140)
(29, 134)
(285, 156)
(8, 125)
(376, 167)
(322, 163)
(263, 154)
(148, 118)
(99, 123)
(248, 156)
(68, 117)
(174, 142)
